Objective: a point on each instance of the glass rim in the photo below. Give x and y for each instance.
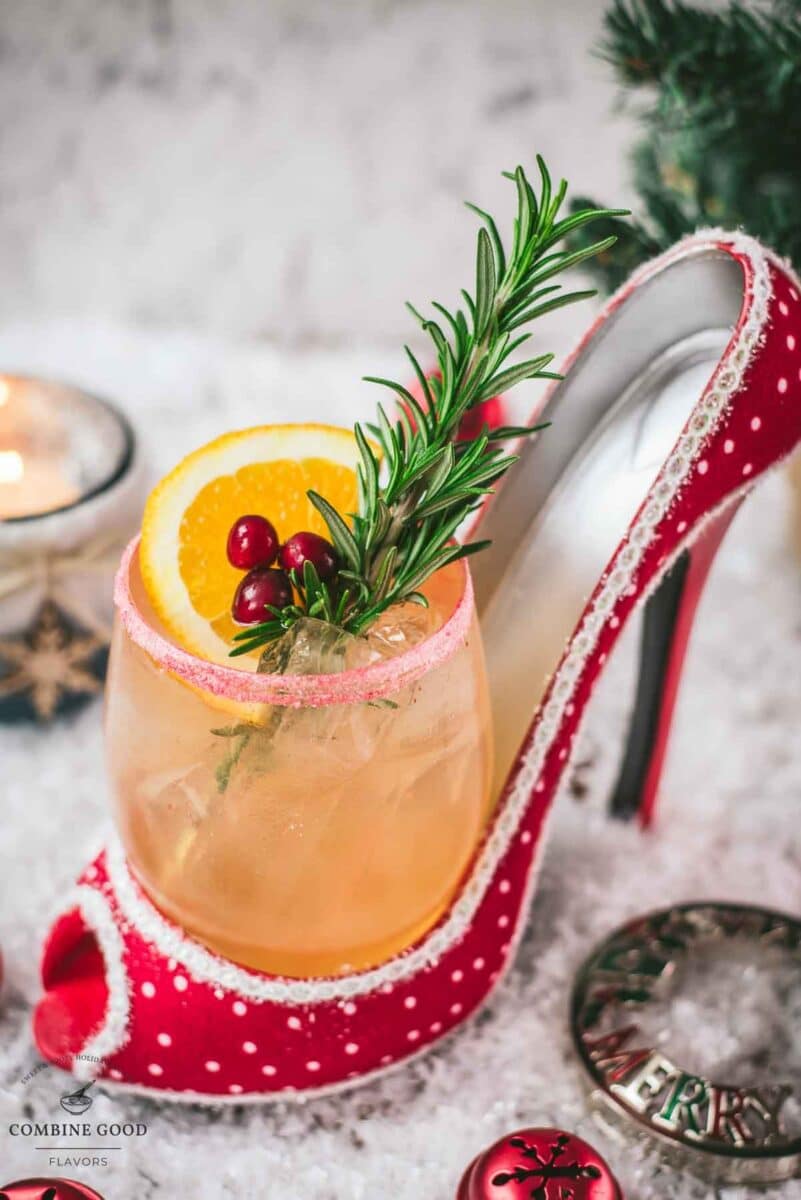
(354, 686)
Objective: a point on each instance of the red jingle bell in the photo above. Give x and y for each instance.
(48, 1189)
(539, 1164)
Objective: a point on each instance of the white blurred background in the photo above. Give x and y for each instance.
(291, 171)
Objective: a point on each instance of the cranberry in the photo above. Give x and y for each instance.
(491, 413)
(252, 542)
(309, 547)
(260, 587)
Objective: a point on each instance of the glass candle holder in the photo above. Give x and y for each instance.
(70, 495)
(300, 824)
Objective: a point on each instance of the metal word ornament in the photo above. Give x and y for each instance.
(730, 1133)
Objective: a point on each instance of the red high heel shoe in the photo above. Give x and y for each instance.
(684, 392)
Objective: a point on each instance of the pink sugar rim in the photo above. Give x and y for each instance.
(314, 691)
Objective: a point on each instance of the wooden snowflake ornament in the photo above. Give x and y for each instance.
(51, 667)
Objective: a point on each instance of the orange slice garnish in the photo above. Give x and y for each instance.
(267, 470)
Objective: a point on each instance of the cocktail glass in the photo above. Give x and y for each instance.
(302, 824)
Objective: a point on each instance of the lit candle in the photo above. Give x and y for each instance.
(45, 430)
(70, 495)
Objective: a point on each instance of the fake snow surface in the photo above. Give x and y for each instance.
(728, 828)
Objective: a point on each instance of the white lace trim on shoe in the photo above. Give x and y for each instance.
(206, 967)
(115, 1029)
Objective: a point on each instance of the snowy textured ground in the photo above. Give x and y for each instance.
(729, 828)
(292, 172)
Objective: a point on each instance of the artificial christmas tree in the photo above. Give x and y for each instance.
(722, 128)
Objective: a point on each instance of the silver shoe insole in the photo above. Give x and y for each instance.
(570, 539)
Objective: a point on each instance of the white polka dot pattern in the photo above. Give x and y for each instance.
(421, 995)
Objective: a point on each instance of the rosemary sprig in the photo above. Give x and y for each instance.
(414, 495)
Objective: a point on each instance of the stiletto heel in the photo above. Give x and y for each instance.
(667, 623)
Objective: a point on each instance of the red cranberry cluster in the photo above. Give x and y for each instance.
(253, 546)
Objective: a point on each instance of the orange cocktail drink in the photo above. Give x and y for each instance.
(303, 824)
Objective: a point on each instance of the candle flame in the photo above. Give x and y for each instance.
(12, 467)
(5, 392)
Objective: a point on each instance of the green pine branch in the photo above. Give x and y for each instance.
(720, 107)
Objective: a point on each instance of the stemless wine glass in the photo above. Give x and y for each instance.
(300, 824)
